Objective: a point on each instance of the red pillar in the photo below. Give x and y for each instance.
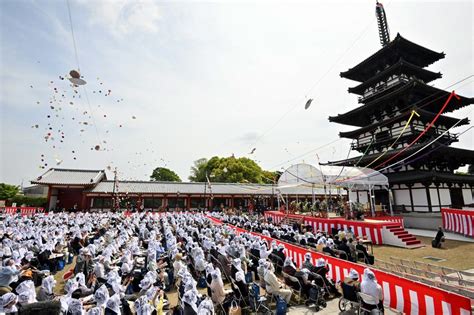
(165, 202)
(188, 202)
(83, 201)
(49, 197)
(232, 201)
(139, 203)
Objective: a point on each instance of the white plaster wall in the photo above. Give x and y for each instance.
(445, 196)
(402, 197)
(467, 195)
(419, 198)
(434, 199)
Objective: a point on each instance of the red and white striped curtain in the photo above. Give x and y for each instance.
(402, 294)
(458, 221)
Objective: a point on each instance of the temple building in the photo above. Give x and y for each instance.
(397, 103)
(91, 190)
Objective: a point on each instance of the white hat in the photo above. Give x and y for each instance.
(320, 262)
(353, 274)
(114, 303)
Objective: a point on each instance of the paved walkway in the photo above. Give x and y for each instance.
(448, 235)
(331, 309)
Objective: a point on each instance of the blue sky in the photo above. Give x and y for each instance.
(201, 78)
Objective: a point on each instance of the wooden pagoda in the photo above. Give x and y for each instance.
(394, 82)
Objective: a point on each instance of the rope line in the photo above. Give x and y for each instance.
(413, 112)
(424, 131)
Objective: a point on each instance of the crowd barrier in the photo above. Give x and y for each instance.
(403, 295)
(370, 230)
(458, 221)
(22, 210)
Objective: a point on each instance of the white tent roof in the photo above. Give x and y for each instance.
(342, 176)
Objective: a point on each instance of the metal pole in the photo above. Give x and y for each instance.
(372, 201)
(205, 197)
(390, 197)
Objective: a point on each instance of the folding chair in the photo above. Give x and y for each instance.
(295, 286)
(417, 272)
(429, 282)
(450, 272)
(450, 279)
(407, 263)
(369, 300)
(435, 268)
(320, 279)
(258, 301)
(466, 283)
(420, 265)
(432, 275)
(277, 261)
(463, 274)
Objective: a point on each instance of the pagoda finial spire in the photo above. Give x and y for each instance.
(384, 33)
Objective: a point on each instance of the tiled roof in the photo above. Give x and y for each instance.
(144, 187)
(60, 176)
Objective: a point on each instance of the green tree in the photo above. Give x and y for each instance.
(230, 170)
(198, 170)
(165, 175)
(8, 191)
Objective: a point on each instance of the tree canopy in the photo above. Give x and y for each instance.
(8, 191)
(231, 170)
(165, 175)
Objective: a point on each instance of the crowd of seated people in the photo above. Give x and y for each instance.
(313, 277)
(342, 244)
(127, 264)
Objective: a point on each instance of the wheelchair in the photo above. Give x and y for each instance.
(350, 299)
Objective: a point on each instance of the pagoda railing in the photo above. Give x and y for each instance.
(362, 143)
(391, 82)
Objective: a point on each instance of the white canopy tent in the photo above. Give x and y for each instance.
(348, 177)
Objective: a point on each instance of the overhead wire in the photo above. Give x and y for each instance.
(424, 131)
(78, 68)
(396, 140)
(385, 122)
(375, 172)
(333, 65)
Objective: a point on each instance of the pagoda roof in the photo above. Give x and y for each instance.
(431, 98)
(195, 188)
(70, 177)
(443, 152)
(425, 116)
(423, 176)
(402, 66)
(398, 48)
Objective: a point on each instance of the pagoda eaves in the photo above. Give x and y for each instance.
(392, 73)
(414, 93)
(398, 48)
(425, 117)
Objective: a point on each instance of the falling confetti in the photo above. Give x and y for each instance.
(253, 150)
(97, 147)
(308, 103)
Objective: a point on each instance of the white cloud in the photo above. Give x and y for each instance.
(124, 17)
